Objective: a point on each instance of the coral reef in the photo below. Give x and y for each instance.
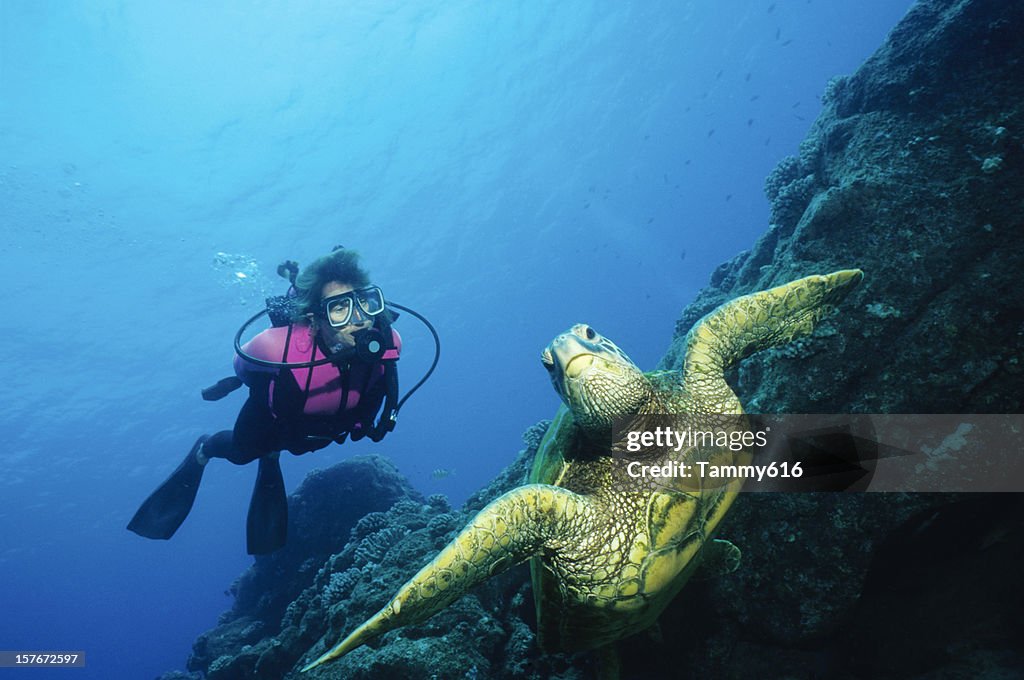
(328, 508)
(487, 634)
(914, 172)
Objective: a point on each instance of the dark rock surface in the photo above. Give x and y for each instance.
(914, 172)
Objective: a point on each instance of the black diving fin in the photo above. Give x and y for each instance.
(162, 513)
(266, 527)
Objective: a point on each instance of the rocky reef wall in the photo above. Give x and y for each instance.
(914, 172)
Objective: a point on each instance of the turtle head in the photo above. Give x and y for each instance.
(595, 379)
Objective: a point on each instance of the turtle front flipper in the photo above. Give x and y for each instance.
(758, 321)
(511, 529)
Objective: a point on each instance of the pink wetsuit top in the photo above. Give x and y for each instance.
(325, 384)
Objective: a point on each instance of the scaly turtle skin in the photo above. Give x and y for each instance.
(609, 551)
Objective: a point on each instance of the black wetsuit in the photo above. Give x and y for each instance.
(258, 431)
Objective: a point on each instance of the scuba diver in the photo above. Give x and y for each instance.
(320, 374)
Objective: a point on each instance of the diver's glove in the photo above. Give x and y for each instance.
(222, 388)
(386, 424)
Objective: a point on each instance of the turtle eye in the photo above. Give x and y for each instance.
(590, 333)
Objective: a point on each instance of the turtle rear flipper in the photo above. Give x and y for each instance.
(720, 557)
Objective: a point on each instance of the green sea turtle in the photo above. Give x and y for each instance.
(609, 551)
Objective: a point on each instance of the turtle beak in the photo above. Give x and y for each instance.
(566, 358)
(566, 352)
(554, 368)
(547, 359)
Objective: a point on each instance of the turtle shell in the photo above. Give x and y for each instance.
(645, 544)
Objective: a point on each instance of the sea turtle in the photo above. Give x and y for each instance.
(609, 551)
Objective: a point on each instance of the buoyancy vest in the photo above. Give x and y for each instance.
(326, 390)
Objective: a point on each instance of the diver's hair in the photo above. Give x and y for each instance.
(341, 265)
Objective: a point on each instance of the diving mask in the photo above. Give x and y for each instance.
(364, 303)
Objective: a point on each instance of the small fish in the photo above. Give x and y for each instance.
(787, 42)
(711, 132)
(747, 78)
(442, 473)
(771, 8)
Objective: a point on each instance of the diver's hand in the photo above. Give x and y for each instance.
(386, 424)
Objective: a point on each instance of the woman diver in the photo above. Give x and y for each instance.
(320, 375)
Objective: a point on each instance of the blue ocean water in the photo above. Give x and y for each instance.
(507, 169)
